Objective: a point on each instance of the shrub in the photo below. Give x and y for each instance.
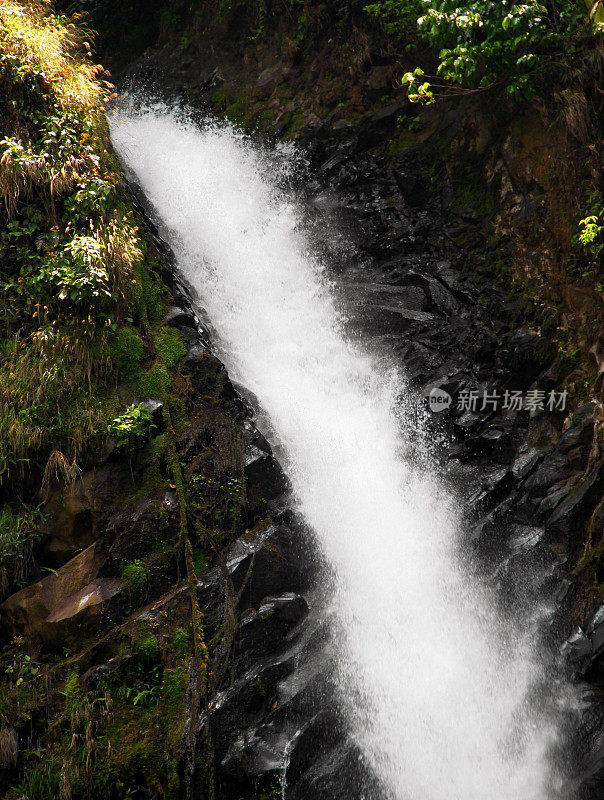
(397, 16)
(590, 237)
(152, 296)
(174, 683)
(483, 44)
(132, 428)
(72, 691)
(68, 247)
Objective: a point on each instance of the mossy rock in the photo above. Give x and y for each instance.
(134, 579)
(182, 641)
(174, 684)
(154, 383)
(126, 351)
(171, 346)
(145, 647)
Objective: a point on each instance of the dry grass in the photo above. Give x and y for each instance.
(9, 747)
(29, 33)
(58, 470)
(576, 113)
(50, 376)
(121, 252)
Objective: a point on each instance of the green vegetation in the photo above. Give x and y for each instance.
(154, 383)
(224, 495)
(83, 341)
(146, 647)
(170, 345)
(508, 45)
(132, 429)
(590, 238)
(72, 692)
(134, 580)
(182, 641)
(23, 670)
(71, 256)
(126, 351)
(19, 532)
(399, 17)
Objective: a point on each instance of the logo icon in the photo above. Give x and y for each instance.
(439, 399)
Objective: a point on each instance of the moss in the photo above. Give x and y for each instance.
(295, 122)
(200, 560)
(160, 519)
(178, 413)
(134, 579)
(171, 346)
(154, 383)
(219, 98)
(152, 292)
(145, 646)
(155, 449)
(174, 682)
(182, 641)
(238, 109)
(149, 475)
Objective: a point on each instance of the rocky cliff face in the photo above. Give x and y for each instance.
(102, 697)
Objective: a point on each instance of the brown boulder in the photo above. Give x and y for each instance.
(61, 602)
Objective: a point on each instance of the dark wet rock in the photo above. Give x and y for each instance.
(494, 485)
(469, 422)
(255, 756)
(179, 318)
(264, 478)
(155, 408)
(240, 708)
(273, 75)
(584, 649)
(591, 750)
(575, 509)
(71, 524)
(338, 775)
(418, 289)
(264, 630)
(254, 438)
(112, 667)
(527, 354)
(308, 745)
(525, 461)
(279, 567)
(526, 567)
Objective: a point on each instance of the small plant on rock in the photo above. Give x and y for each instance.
(132, 429)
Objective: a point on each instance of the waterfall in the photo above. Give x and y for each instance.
(439, 689)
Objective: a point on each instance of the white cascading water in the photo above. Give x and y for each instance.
(437, 687)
